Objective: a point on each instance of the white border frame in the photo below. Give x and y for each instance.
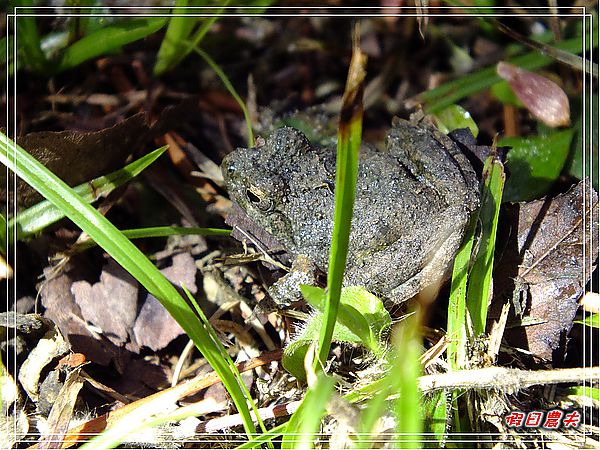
(316, 11)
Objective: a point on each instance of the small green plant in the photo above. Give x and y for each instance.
(181, 30)
(108, 39)
(362, 320)
(535, 163)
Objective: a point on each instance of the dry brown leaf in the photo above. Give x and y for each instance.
(62, 411)
(77, 157)
(154, 326)
(110, 304)
(552, 268)
(61, 308)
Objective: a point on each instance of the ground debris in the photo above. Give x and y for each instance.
(547, 260)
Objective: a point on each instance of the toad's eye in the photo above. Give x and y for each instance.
(259, 199)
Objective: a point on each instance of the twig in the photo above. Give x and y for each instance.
(505, 379)
(233, 420)
(499, 378)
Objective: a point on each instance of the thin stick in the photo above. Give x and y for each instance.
(505, 379)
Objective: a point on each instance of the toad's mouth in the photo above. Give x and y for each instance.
(244, 229)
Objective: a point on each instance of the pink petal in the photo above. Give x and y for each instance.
(542, 97)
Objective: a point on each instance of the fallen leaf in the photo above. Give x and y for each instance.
(154, 326)
(62, 411)
(550, 268)
(76, 156)
(141, 378)
(61, 308)
(110, 304)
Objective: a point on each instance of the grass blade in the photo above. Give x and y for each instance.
(593, 320)
(127, 255)
(171, 48)
(224, 358)
(108, 39)
(29, 42)
(449, 93)
(374, 410)
(139, 233)
(259, 440)
(195, 40)
(349, 140)
(436, 418)
(481, 274)
(306, 421)
(43, 214)
(214, 66)
(153, 232)
(404, 377)
(574, 61)
(457, 311)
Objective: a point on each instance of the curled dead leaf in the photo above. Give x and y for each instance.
(76, 156)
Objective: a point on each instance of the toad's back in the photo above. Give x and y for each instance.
(413, 202)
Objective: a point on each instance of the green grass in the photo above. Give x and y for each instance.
(457, 329)
(180, 37)
(403, 376)
(131, 259)
(591, 320)
(172, 49)
(479, 287)
(402, 372)
(154, 232)
(225, 80)
(305, 423)
(348, 147)
(29, 41)
(449, 93)
(35, 218)
(106, 40)
(471, 286)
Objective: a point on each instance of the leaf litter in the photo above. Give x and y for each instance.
(547, 254)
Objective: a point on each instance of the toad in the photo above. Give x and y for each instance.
(414, 199)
